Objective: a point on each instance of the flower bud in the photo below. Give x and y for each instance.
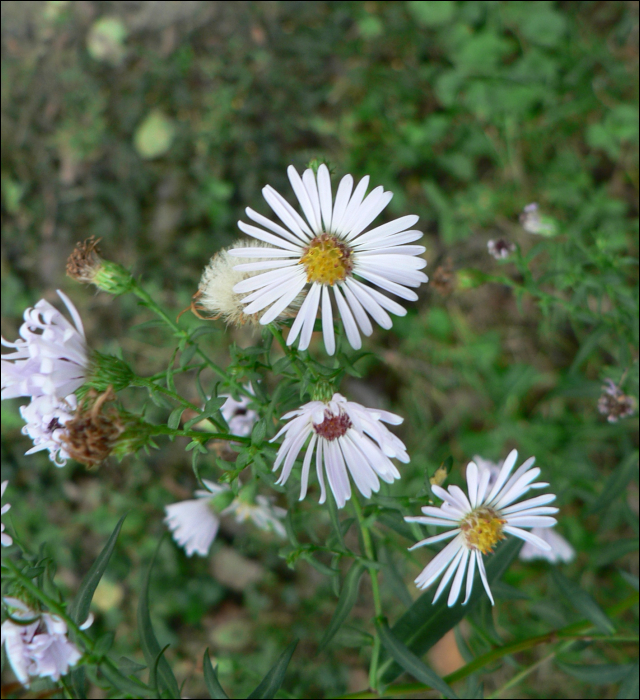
(85, 264)
(108, 371)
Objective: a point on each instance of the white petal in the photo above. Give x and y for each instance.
(302, 194)
(454, 593)
(440, 522)
(386, 284)
(287, 214)
(309, 180)
(392, 227)
(472, 483)
(369, 210)
(470, 573)
(310, 317)
(342, 200)
(304, 479)
(327, 322)
(280, 241)
(354, 205)
(483, 576)
(437, 565)
(324, 191)
(280, 305)
(434, 539)
(394, 250)
(379, 315)
(507, 467)
(531, 521)
(527, 537)
(262, 280)
(353, 336)
(358, 312)
(450, 572)
(319, 471)
(300, 317)
(265, 265)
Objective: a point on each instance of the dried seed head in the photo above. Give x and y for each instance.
(614, 403)
(92, 433)
(444, 278)
(85, 264)
(215, 297)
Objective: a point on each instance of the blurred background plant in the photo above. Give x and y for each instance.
(151, 125)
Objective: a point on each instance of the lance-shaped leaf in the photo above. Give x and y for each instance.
(410, 662)
(79, 608)
(425, 623)
(596, 674)
(216, 691)
(167, 684)
(271, 683)
(583, 602)
(346, 601)
(629, 686)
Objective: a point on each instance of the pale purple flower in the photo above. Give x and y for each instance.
(50, 358)
(45, 418)
(263, 514)
(330, 251)
(240, 418)
(347, 439)
(39, 646)
(500, 249)
(478, 522)
(533, 222)
(5, 539)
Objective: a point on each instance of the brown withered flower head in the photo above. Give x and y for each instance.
(614, 403)
(444, 278)
(85, 261)
(92, 433)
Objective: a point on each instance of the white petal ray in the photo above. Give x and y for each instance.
(440, 522)
(389, 286)
(324, 191)
(358, 312)
(470, 574)
(354, 205)
(483, 576)
(372, 206)
(397, 239)
(310, 317)
(379, 315)
(353, 336)
(265, 265)
(454, 593)
(284, 239)
(309, 180)
(527, 537)
(302, 194)
(532, 521)
(388, 229)
(319, 470)
(435, 538)
(287, 214)
(299, 319)
(304, 478)
(437, 565)
(472, 483)
(342, 200)
(263, 253)
(257, 281)
(394, 250)
(261, 298)
(449, 573)
(284, 301)
(327, 322)
(507, 467)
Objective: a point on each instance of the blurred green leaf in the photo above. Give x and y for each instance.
(629, 686)
(150, 648)
(410, 662)
(271, 683)
(616, 483)
(596, 674)
(582, 602)
(216, 691)
(154, 136)
(79, 608)
(346, 601)
(432, 14)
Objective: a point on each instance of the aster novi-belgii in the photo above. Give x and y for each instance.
(194, 523)
(5, 539)
(347, 439)
(480, 521)
(45, 418)
(36, 643)
(50, 358)
(240, 418)
(330, 250)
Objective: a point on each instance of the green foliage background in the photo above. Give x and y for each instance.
(152, 125)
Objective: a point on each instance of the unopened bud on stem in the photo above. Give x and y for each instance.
(85, 264)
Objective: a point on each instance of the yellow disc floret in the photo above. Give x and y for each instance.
(327, 260)
(482, 529)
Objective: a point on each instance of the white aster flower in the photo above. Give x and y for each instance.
(45, 418)
(534, 222)
(480, 521)
(345, 436)
(193, 523)
(500, 249)
(37, 645)
(330, 251)
(263, 514)
(561, 550)
(240, 418)
(50, 358)
(6, 540)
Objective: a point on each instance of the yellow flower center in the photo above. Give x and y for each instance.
(327, 260)
(482, 529)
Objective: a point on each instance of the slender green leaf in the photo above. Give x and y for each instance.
(425, 623)
(104, 643)
(259, 432)
(130, 686)
(410, 662)
(153, 671)
(129, 666)
(393, 579)
(346, 601)
(614, 551)
(79, 608)
(616, 484)
(150, 647)
(271, 683)
(630, 579)
(596, 674)
(629, 686)
(582, 602)
(216, 691)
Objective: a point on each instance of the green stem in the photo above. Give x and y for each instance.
(289, 351)
(578, 630)
(375, 588)
(199, 435)
(148, 383)
(149, 302)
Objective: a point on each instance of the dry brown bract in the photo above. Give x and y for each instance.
(91, 434)
(444, 278)
(85, 261)
(614, 403)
